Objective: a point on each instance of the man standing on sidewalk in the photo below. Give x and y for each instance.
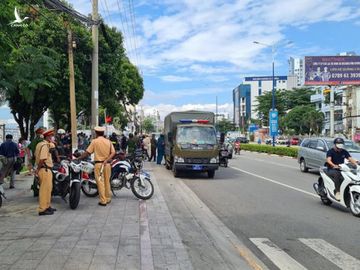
(44, 164)
(103, 151)
(10, 151)
(153, 143)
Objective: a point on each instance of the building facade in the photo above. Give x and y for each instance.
(297, 69)
(242, 105)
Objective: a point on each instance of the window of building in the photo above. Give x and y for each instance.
(259, 92)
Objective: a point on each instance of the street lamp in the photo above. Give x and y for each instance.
(273, 51)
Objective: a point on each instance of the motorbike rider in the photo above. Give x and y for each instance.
(334, 157)
(44, 164)
(104, 151)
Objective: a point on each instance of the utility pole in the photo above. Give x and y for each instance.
(216, 114)
(95, 67)
(332, 112)
(72, 45)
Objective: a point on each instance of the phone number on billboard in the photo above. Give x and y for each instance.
(345, 75)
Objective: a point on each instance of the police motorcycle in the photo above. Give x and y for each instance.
(349, 189)
(125, 172)
(223, 155)
(66, 180)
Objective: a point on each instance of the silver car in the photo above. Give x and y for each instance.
(312, 152)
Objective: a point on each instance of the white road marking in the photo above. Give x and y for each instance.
(279, 257)
(332, 253)
(270, 162)
(275, 182)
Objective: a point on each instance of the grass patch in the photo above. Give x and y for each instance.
(277, 150)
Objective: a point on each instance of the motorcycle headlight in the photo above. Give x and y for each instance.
(179, 159)
(214, 160)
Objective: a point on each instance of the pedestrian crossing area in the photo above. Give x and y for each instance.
(285, 262)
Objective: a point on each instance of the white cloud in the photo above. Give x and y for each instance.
(172, 78)
(151, 96)
(165, 109)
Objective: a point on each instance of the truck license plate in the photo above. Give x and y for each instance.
(197, 167)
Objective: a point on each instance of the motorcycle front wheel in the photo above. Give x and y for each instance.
(88, 189)
(142, 192)
(74, 196)
(355, 204)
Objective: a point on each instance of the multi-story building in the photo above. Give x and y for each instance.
(242, 104)
(297, 69)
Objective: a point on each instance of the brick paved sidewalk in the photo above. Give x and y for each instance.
(127, 234)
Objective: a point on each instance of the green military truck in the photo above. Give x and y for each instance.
(190, 142)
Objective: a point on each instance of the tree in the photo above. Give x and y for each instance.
(34, 69)
(224, 125)
(303, 119)
(286, 100)
(148, 124)
(265, 104)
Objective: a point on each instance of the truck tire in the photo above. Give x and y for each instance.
(211, 174)
(175, 172)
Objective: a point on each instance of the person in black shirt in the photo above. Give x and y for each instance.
(10, 151)
(334, 157)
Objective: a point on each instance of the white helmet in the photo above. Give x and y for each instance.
(61, 131)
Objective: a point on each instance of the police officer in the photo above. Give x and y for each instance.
(103, 151)
(44, 164)
(334, 157)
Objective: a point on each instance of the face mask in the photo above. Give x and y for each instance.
(339, 145)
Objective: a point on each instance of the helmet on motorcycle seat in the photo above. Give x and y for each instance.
(339, 141)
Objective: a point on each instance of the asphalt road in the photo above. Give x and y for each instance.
(271, 206)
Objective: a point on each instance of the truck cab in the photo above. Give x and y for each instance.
(191, 144)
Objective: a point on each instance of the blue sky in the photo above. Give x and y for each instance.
(190, 51)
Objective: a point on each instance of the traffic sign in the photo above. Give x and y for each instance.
(274, 122)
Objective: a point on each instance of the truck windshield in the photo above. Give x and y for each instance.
(196, 135)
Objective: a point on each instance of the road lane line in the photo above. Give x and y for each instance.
(270, 162)
(332, 253)
(275, 182)
(279, 257)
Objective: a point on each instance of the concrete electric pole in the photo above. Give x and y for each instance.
(71, 45)
(95, 67)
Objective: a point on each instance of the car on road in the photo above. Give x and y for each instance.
(294, 141)
(242, 139)
(282, 140)
(312, 152)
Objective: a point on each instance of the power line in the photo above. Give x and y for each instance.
(129, 31)
(133, 23)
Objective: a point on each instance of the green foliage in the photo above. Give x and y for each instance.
(225, 125)
(148, 124)
(278, 150)
(285, 100)
(34, 68)
(303, 119)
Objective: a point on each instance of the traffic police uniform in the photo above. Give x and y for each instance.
(42, 152)
(102, 149)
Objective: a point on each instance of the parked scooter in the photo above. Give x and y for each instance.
(223, 156)
(66, 180)
(349, 189)
(126, 173)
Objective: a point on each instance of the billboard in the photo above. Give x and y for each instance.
(332, 70)
(265, 78)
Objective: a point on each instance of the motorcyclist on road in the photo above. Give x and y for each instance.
(334, 157)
